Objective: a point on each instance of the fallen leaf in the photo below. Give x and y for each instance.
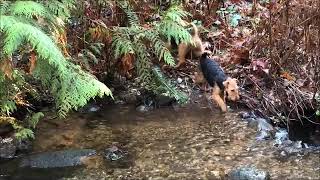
(6, 67)
(127, 64)
(32, 60)
(286, 75)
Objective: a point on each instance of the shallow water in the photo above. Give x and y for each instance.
(193, 142)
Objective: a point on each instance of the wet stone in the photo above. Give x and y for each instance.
(248, 173)
(7, 148)
(213, 175)
(64, 158)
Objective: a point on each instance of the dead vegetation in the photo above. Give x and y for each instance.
(272, 47)
(275, 50)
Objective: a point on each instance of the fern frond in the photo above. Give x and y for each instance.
(28, 9)
(24, 133)
(131, 15)
(61, 8)
(69, 83)
(18, 32)
(4, 6)
(121, 45)
(173, 25)
(143, 62)
(172, 30)
(159, 47)
(176, 14)
(34, 119)
(161, 85)
(7, 106)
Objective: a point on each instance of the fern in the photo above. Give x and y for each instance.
(159, 47)
(164, 86)
(61, 8)
(132, 16)
(176, 14)
(24, 133)
(122, 45)
(136, 39)
(34, 119)
(69, 84)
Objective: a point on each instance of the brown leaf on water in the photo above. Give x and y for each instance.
(32, 61)
(6, 67)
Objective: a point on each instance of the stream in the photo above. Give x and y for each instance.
(191, 142)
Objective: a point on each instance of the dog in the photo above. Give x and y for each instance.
(195, 46)
(223, 86)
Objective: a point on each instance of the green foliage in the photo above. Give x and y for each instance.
(133, 19)
(164, 86)
(142, 42)
(24, 133)
(91, 54)
(172, 25)
(34, 119)
(21, 27)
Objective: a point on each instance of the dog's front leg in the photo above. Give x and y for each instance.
(217, 98)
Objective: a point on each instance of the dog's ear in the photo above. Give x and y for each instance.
(226, 83)
(236, 81)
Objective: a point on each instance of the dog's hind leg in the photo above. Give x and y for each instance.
(183, 50)
(217, 98)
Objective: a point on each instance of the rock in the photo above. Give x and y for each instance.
(216, 153)
(263, 135)
(7, 148)
(179, 80)
(64, 158)
(114, 153)
(5, 129)
(281, 136)
(246, 115)
(24, 145)
(213, 175)
(89, 108)
(248, 173)
(118, 158)
(143, 108)
(162, 100)
(264, 125)
(128, 97)
(252, 123)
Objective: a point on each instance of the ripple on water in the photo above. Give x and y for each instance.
(191, 142)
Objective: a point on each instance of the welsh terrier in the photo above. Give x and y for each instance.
(223, 86)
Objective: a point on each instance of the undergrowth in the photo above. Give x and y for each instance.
(144, 42)
(36, 28)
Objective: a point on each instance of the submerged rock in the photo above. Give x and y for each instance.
(89, 108)
(114, 153)
(65, 158)
(7, 148)
(248, 173)
(281, 136)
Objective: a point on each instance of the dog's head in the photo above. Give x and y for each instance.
(231, 89)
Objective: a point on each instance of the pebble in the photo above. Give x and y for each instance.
(179, 80)
(216, 153)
